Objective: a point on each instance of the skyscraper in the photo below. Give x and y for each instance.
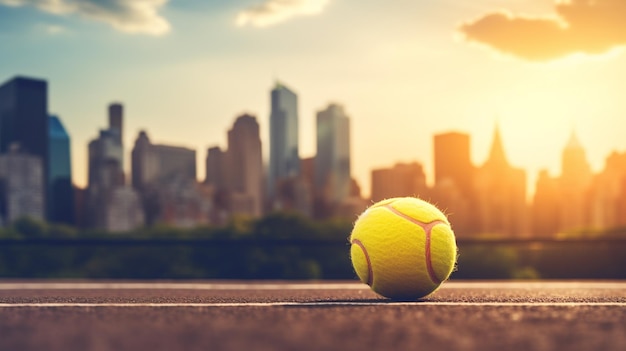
(105, 161)
(116, 124)
(21, 193)
(218, 179)
(106, 153)
(24, 119)
(105, 177)
(501, 194)
(545, 206)
(116, 118)
(574, 163)
(574, 182)
(174, 162)
(605, 194)
(143, 162)
(332, 160)
(154, 164)
(246, 163)
(284, 160)
(60, 188)
(454, 180)
(452, 160)
(165, 177)
(216, 168)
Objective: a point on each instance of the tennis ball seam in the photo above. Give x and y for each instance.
(370, 271)
(427, 227)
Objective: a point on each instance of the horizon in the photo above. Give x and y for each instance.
(184, 72)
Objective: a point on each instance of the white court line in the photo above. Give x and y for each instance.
(512, 285)
(182, 286)
(317, 304)
(300, 285)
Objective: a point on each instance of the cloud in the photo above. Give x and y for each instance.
(580, 26)
(130, 16)
(272, 12)
(53, 29)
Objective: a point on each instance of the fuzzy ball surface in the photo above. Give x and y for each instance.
(403, 248)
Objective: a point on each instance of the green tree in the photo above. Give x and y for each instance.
(30, 228)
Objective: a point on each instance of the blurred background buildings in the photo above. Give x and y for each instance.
(162, 187)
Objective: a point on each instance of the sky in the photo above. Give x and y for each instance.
(404, 70)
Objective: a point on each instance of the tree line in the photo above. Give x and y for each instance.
(277, 246)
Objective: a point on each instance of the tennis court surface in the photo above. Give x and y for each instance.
(240, 315)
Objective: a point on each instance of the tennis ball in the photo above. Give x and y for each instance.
(403, 248)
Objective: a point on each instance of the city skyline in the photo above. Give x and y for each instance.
(164, 187)
(183, 70)
(115, 110)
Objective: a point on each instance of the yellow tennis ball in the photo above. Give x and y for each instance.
(403, 248)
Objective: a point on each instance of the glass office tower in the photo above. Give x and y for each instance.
(24, 120)
(60, 190)
(284, 155)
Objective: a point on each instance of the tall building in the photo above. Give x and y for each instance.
(154, 164)
(105, 168)
(545, 206)
(60, 188)
(174, 162)
(621, 203)
(143, 162)
(501, 194)
(454, 190)
(284, 159)
(24, 119)
(21, 186)
(116, 119)
(574, 182)
(605, 195)
(236, 174)
(165, 177)
(106, 189)
(332, 160)
(106, 154)
(452, 161)
(216, 169)
(218, 179)
(246, 165)
(403, 179)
